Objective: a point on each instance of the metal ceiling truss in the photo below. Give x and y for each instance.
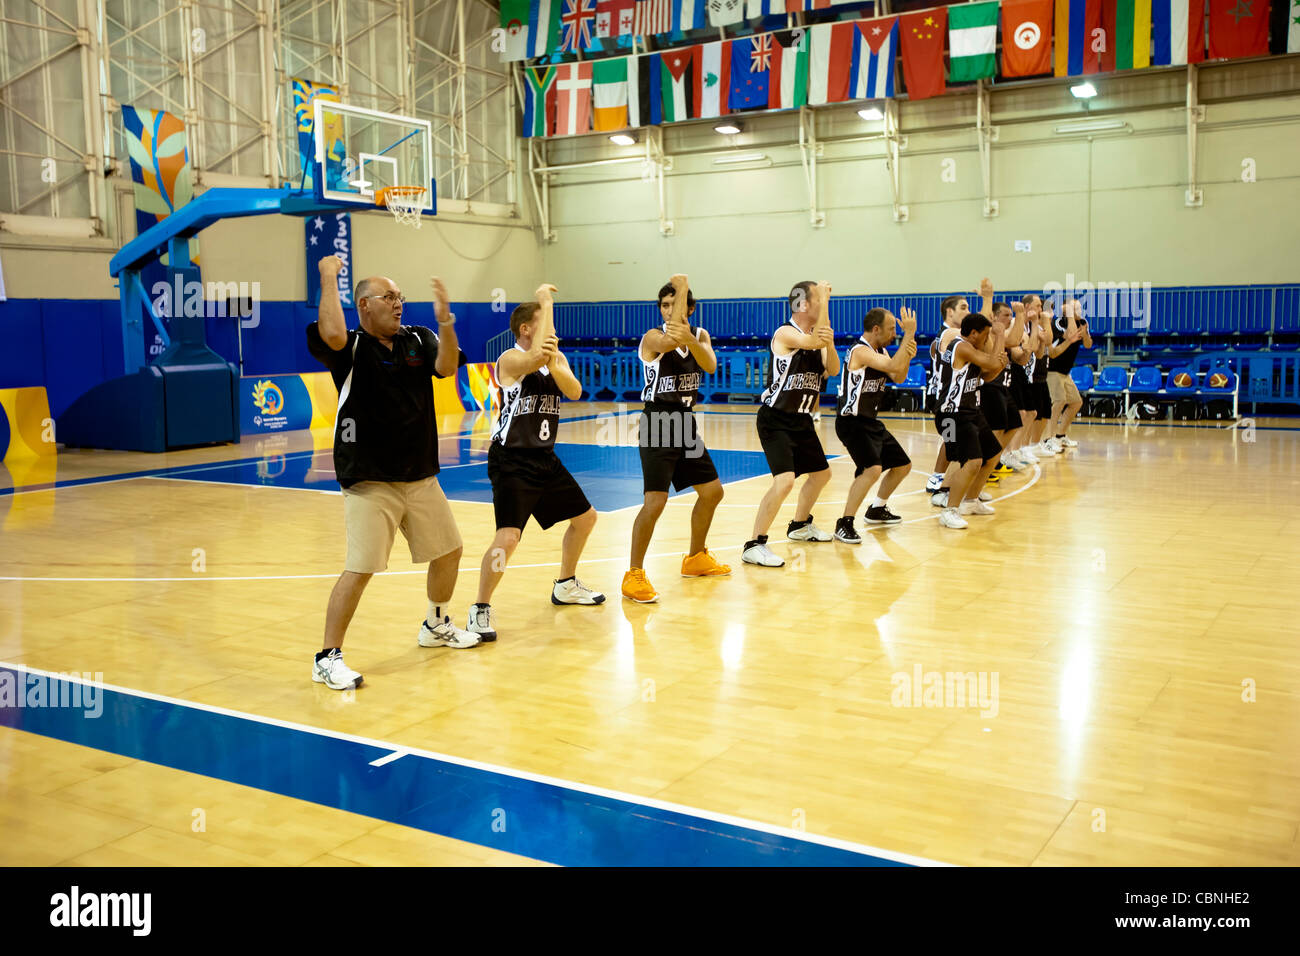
(224, 67)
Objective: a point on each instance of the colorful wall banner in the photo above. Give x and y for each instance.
(329, 235)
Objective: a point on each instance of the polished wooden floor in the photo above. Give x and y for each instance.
(1136, 602)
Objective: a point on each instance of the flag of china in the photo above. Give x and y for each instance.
(1238, 28)
(923, 35)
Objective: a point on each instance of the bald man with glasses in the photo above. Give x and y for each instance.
(386, 454)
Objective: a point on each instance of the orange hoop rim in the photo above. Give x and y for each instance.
(402, 192)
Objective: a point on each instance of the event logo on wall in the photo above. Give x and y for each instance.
(270, 401)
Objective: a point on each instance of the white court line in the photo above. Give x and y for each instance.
(395, 755)
(799, 835)
(465, 570)
(238, 484)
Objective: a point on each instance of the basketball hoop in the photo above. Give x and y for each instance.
(404, 202)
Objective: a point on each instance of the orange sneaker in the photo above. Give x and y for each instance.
(703, 565)
(637, 588)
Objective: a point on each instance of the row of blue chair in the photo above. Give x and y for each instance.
(1185, 314)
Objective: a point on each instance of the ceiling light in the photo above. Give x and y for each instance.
(1092, 126)
(871, 113)
(623, 139)
(728, 128)
(1084, 91)
(740, 158)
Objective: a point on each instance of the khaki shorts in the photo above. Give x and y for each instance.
(374, 510)
(1063, 389)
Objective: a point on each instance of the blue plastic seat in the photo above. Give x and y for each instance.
(1082, 375)
(1146, 379)
(1114, 378)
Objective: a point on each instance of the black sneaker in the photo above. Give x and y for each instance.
(845, 532)
(881, 515)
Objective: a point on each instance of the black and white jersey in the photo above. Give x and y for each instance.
(796, 382)
(530, 411)
(674, 377)
(860, 391)
(1030, 366)
(932, 387)
(958, 387)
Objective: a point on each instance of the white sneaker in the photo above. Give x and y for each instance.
(574, 591)
(808, 532)
(1027, 456)
(934, 483)
(483, 622)
(1069, 443)
(333, 673)
(1055, 445)
(939, 500)
(976, 507)
(446, 634)
(1013, 462)
(985, 496)
(950, 519)
(761, 555)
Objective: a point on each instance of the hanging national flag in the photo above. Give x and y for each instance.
(539, 101)
(573, 99)
(1177, 31)
(723, 13)
(577, 18)
(543, 27)
(1128, 33)
(616, 94)
(1285, 32)
(972, 41)
(1080, 39)
(653, 17)
(675, 84)
(1026, 37)
(871, 75)
(922, 36)
(514, 21)
(690, 15)
(830, 59)
(771, 8)
(615, 18)
(1238, 28)
(712, 79)
(787, 88)
(751, 72)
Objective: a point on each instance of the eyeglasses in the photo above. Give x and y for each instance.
(392, 298)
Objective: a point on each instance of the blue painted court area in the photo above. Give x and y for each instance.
(542, 819)
(610, 476)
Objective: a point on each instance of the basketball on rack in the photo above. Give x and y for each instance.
(1183, 380)
(1217, 380)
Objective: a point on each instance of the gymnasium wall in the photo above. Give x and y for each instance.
(62, 323)
(1105, 208)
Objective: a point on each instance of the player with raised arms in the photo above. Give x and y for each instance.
(528, 478)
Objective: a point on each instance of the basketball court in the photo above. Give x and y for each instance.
(1102, 674)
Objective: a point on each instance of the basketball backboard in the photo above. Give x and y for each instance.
(359, 152)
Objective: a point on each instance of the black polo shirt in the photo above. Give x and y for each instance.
(1065, 361)
(386, 429)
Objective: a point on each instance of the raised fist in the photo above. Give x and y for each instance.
(986, 288)
(330, 266)
(679, 283)
(545, 293)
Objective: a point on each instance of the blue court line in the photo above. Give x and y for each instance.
(534, 816)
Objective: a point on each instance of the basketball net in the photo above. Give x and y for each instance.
(404, 202)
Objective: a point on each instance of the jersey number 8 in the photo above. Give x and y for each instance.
(545, 433)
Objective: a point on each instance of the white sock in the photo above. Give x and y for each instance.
(434, 615)
(878, 503)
